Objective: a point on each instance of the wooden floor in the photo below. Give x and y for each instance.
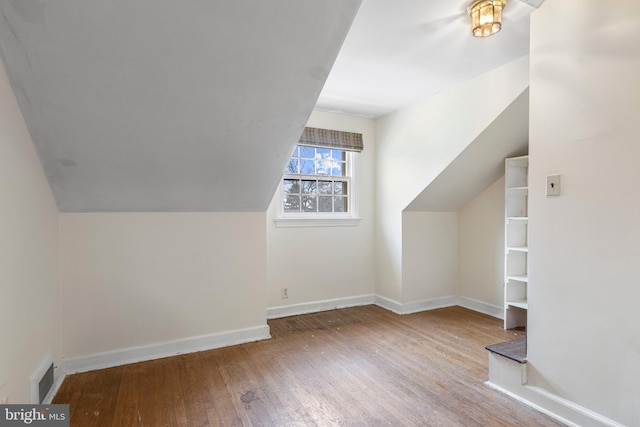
(361, 366)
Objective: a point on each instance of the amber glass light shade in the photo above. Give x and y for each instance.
(486, 16)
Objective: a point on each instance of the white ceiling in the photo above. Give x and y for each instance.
(159, 105)
(398, 52)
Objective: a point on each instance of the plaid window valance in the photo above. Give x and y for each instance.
(325, 138)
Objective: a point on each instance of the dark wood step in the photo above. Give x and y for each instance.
(514, 350)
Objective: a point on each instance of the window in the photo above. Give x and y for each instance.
(317, 180)
(318, 185)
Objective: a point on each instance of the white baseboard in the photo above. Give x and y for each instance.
(531, 405)
(562, 410)
(164, 349)
(416, 306)
(511, 378)
(571, 410)
(429, 304)
(481, 307)
(388, 304)
(317, 306)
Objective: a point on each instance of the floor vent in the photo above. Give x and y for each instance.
(42, 379)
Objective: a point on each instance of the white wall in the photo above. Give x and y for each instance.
(324, 263)
(481, 250)
(584, 338)
(456, 254)
(415, 144)
(135, 279)
(430, 261)
(29, 291)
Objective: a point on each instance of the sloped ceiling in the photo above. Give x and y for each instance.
(481, 163)
(164, 105)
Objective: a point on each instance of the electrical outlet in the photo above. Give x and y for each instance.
(284, 293)
(5, 400)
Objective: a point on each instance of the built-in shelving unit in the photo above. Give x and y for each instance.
(516, 242)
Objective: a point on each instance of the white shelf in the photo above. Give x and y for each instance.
(520, 304)
(516, 242)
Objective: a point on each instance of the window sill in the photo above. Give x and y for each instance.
(317, 222)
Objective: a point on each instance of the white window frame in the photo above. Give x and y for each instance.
(323, 219)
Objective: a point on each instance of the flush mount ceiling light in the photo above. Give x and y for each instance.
(486, 16)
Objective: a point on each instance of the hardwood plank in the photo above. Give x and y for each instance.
(359, 366)
(94, 394)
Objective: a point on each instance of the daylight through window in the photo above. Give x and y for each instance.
(317, 180)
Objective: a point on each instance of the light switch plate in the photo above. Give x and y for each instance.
(553, 185)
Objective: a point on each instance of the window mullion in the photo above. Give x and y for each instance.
(317, 196)
(333, 195)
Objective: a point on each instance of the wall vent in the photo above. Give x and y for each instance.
(42, 379)
(45, 384)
